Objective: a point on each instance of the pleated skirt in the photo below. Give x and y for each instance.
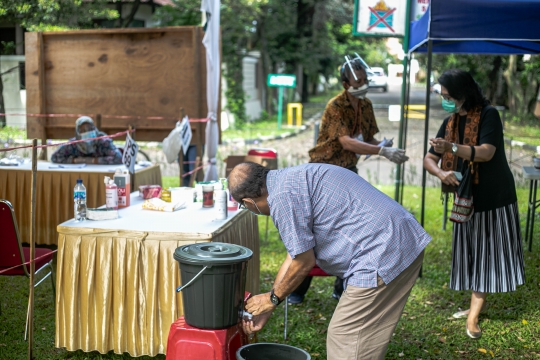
(487, 252)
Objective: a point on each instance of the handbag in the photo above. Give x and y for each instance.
(463, 208)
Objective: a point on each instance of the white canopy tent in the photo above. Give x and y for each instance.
(211, 42)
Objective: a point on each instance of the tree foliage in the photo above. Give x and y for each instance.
(46, 15)
(305, 37)
(511, 81)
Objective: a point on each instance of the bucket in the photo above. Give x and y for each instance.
(214, 280)
(269, 351)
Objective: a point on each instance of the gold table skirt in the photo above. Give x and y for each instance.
(54, 196)
(116, 289)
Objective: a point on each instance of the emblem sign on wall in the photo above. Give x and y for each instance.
(380, 18)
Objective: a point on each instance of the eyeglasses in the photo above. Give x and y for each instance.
(446, 97)
(243, 206)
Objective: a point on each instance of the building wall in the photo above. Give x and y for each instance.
(14, 96)
(251, 87)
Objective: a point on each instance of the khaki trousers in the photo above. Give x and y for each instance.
(365, 318)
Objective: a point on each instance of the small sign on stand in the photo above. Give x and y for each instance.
(130, 154)
(281, 81)
(185, 134)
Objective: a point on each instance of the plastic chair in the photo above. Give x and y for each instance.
(14, 254)
(268, 154)
(316, 271)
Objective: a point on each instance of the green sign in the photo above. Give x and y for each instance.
(281, 80)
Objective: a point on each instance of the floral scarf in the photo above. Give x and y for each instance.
(470, 138)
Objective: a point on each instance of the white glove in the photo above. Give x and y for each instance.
(395, 155)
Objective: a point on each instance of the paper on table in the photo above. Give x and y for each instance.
(67, 166)
(9, 162)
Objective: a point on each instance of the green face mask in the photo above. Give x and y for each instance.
(449, 106)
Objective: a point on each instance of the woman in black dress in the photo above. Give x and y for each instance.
(487, 253)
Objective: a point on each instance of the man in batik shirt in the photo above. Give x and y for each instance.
(347, 131)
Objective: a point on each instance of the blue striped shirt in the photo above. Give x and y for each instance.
(356, 231)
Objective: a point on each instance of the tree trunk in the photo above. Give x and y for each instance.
(493, 77)
(304, 28)
(132, 13)
(521, 88)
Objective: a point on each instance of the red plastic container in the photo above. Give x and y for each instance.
(190, 343)
(263, 152)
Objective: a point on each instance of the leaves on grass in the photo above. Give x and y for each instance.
(401, 354)
(491, 353)
(315, 354)
(524, 322)
(443, 340)
(482, 350)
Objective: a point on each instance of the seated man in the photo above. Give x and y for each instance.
(100, 151)
(328, 215)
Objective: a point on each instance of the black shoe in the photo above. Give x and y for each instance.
(295, 299)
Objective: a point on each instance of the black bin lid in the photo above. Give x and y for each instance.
(212, 253)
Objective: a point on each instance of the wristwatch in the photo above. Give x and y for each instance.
(274, 299)
(454, 148)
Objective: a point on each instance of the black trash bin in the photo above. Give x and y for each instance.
(214, 280)
(269, 351)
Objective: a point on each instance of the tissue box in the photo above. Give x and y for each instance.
(182, 194)
(149, 191)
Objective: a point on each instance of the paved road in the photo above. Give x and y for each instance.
(392, 97)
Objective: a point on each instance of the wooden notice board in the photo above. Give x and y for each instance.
(116, 72)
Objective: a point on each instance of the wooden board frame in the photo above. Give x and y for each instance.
(134, 72)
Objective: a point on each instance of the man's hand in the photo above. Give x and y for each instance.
(260, 304)
(258, 322)
(395, 155)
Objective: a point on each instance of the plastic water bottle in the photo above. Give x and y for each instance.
(79, 197)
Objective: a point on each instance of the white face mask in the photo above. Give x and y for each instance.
(359, 93)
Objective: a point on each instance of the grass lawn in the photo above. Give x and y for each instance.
(258, 129)
(526, 133)
(426, 330)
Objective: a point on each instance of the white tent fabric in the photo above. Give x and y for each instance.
(211, 43)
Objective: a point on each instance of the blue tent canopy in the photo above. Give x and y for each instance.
(478, 27)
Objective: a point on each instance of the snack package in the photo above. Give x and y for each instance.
(160, 205)
(149, 191)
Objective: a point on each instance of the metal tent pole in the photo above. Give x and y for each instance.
(402, 99)
(426, 127)
(406, 125)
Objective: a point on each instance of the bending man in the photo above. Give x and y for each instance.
(328, 215)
